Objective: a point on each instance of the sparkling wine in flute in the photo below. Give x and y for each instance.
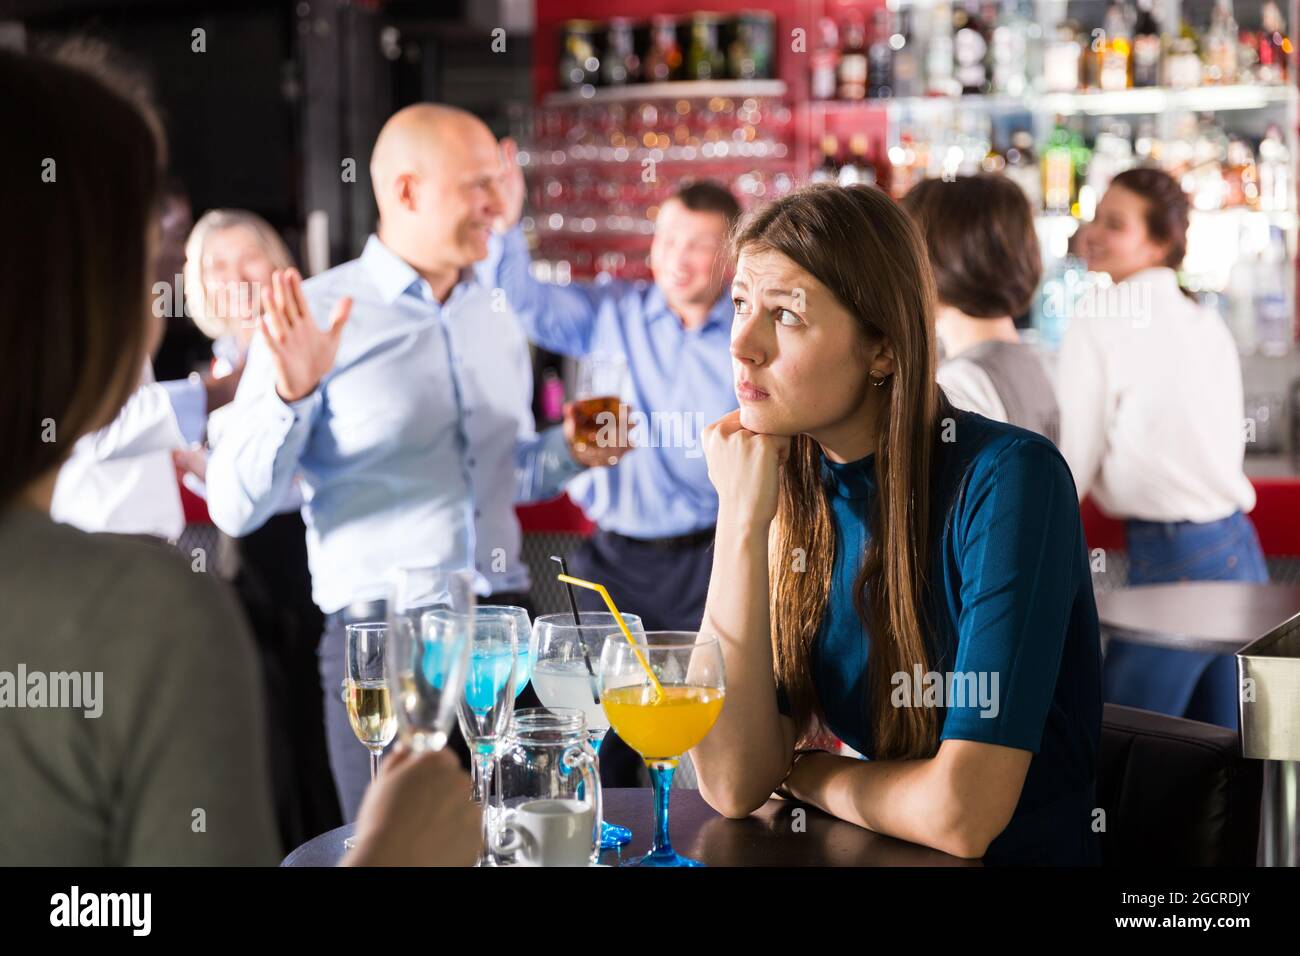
(370, 711)
(591, 415)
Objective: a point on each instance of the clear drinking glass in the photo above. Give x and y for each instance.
(523, 628)
(487, 704)
(566, 669)
(366, 693)
(523, 667)
(662, 717)
(547, 758)
(427, 665)
(602, 382)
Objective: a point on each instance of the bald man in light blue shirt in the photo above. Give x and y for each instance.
(406, 412)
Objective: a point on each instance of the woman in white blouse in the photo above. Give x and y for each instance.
(229, 258)
(979, 233)
(1152, 425)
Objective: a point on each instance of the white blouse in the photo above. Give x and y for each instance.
(1152, 415)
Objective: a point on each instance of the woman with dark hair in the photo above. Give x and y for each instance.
(132, 732)
(979, 232)
(906, 575)
(1151, 424)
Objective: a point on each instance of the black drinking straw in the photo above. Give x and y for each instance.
(577, 622)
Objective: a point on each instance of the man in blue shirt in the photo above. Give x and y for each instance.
(406, 413)
(656, 510)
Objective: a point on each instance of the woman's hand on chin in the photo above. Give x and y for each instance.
(744, 467)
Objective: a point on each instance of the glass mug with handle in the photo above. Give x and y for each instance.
(366, 693)
(566, 662)
(549, 786)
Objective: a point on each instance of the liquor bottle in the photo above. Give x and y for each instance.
(828, 169)
(663, 61)
(907, 71)
(705, 59)
(1145, 148)
(1146, 47)
(995, 161)
(579, 65)
(905, 166)
(1183, 64)
(880, 59)
(825, 61)
(1081, 160)
(939, 78)
(749, 55)
(1209, 154)
(1112, 153)
(1061, 58)
(1274, 172)
(859, 168)
(1108, 67)
(1010, 50)
(853, 61)
(1022, 167)
(1272, 296)
(1221, 46)
(621, 64)
(1240, 175)
(1274, 45)
(970, 45)
(1240, 312)
(1058, 171)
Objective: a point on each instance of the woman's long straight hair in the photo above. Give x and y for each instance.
(862, 247)
(80, 175)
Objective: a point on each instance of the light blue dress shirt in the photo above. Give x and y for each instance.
(680, 381)
(412, 450)
(189, 401)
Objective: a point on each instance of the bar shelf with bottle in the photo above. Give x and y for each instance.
(693, 89)
(630, 107)
(1063, 96)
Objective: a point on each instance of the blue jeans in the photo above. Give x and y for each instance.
(1197, 686)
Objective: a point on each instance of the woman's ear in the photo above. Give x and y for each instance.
(882, 360)
(1162, 250)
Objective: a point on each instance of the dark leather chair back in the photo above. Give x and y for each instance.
(1176, 792)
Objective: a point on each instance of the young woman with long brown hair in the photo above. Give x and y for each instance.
(865, 521)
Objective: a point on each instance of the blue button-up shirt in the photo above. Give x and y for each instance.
(680, 381)
(413, 448)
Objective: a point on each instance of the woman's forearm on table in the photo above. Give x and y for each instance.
(908, 799)
(746, 754)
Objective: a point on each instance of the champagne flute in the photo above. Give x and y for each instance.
(427, 665)
(566, 661)
(366, 693)
(662, 717)
(487, 704)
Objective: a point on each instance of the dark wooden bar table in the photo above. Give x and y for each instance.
(774, 836)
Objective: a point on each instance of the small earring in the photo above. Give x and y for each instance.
(877, 377)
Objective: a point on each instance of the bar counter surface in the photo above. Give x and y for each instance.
(776, 835)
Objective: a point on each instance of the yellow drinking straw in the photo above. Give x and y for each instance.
(618, 617)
